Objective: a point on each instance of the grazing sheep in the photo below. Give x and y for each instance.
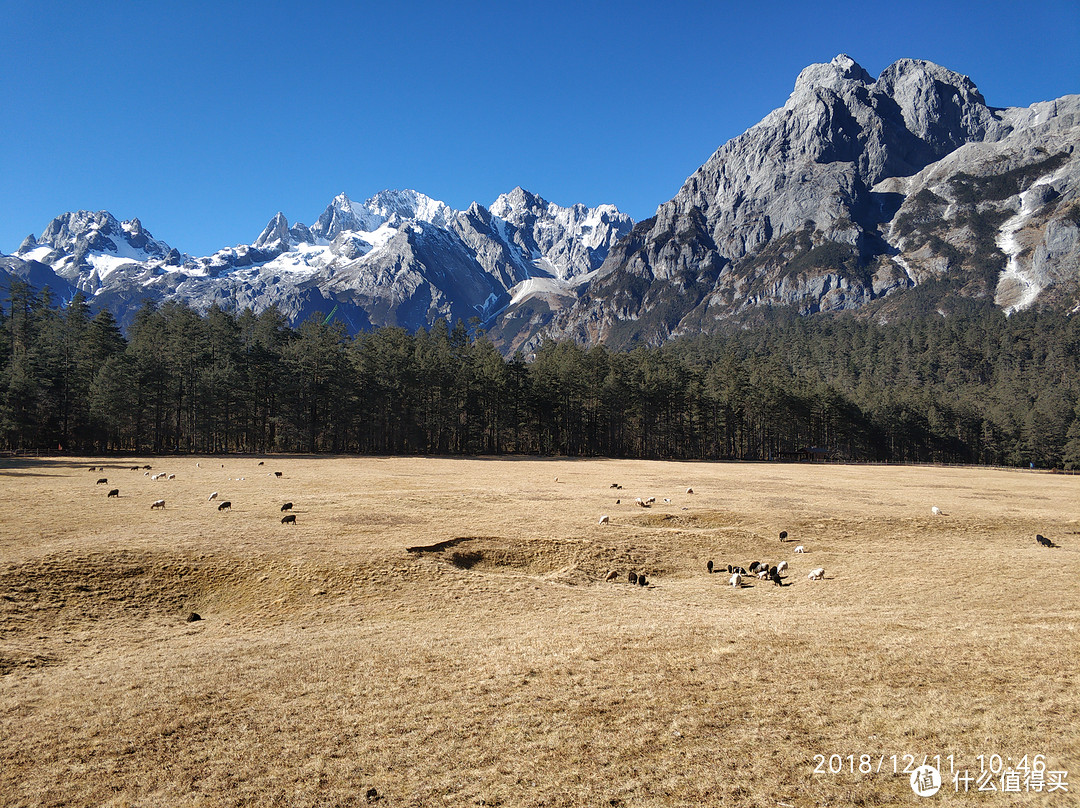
(642, 580)
(147, 467)
(632, 577)
(146, 474)
(603, 519)
(762, 575)
(260, 462)
(783, 535)
(614, 485)
(668, 501)
(650, 500)
(618, 502)
(158, 504)
(738, 570)
(781, 567)
(774, 576)
(611, 576)
(689, 490)
(817, 574)
(102, 480)
(224, 506)
(92, 468)
(936, 511)
(134, 468)
(288, 519)
(212, 497)
(642, 502)
(755, 567)
(800, 549)
(1045, 542)
(735, 581)
(171, 477)
(277, 473)
(286, 507)
(709, 567)
(114, 493)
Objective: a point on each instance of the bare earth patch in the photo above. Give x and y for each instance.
(440, 632)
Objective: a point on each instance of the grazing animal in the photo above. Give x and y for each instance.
(738, 570)
(642, 580)
(783, 535)
(212, 497)
(288, 519)
(762, 575)
(709, 567)
(102, 480)
(1045, 542)
(781, 567)
(260, 462)
(735, 581)
(224, 506)
(158, 504)
(286, 507)
(632, 577)
(277, 473)
(603, 519)
(755, 567)
(800, 549)
(817, 574)
(146, 474)
(650, 500)
(114, 493)
(689, 490)
(611, 576)
(171, 477)
(642, 502)
(936, 511)
(147, 467)
(618, 502)
(668, 501)
(92, 468)
(614, 485)
(774, 576)
(134, 468)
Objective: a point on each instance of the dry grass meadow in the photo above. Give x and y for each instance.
(334, 667)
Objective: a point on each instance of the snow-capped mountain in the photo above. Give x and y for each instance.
(400, 258)
(857, 193)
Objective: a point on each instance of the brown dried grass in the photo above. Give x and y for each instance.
(501, 669)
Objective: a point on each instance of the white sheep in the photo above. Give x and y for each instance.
(736, 581)
(781, 567)
(158, 504)
(936, 511)
(762, 575)
(641, 502)
(689, 490)
(817, 574)
(212, 497)
(603, 520)
(800, 549)
(171, 477)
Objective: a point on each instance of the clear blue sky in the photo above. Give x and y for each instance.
(206, 118)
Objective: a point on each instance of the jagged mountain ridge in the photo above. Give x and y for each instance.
(803, 209)
(858, 193)
(400, 258)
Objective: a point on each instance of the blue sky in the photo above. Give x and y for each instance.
(204, 119)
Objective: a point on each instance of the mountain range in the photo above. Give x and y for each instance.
(874, 195)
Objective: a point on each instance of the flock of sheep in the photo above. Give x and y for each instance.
(761, 569)
(288, 519)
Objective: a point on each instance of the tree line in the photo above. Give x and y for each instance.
(976, 387)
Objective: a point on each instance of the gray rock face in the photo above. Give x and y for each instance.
(797, 210)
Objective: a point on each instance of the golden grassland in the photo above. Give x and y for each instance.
(333, 666)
